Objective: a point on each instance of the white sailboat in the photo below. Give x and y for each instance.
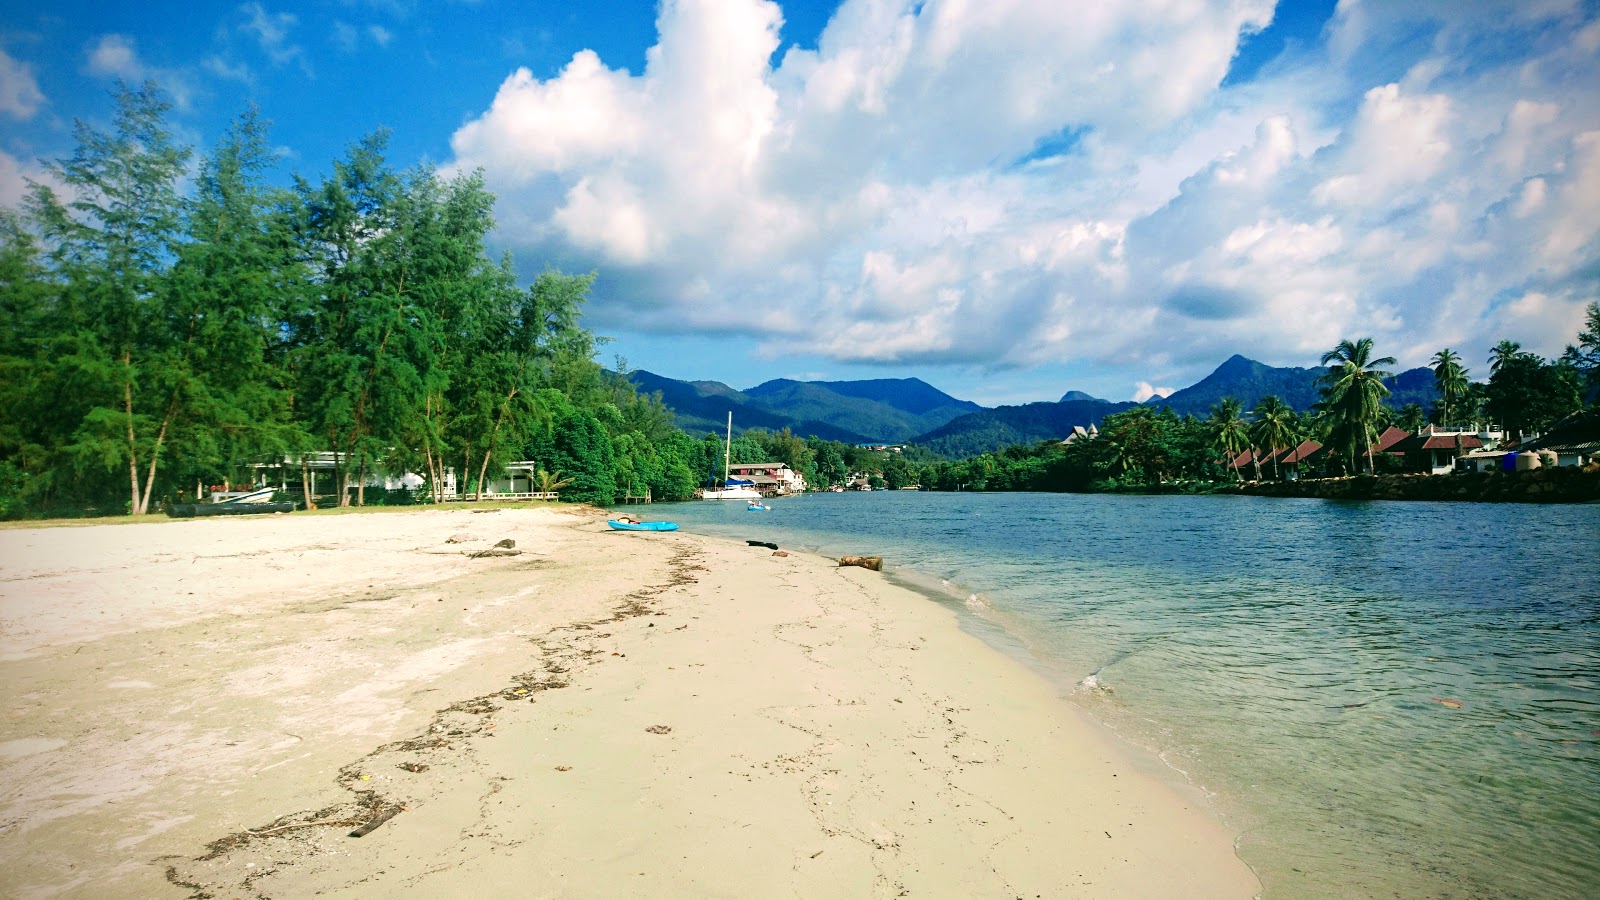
(732, 488)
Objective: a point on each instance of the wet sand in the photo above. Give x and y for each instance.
(212, 706)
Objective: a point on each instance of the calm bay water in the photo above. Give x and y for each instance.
(1289, 657)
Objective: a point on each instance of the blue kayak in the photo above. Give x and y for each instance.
(642, 526)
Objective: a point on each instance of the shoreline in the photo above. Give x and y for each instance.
(784, 764)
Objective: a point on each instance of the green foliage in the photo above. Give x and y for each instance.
(1528, 394)
(1352, 395)
(1451, 379)
(577, 446)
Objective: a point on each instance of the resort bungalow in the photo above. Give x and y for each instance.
(1575, 440)
(517, 482)
(1436, 453)
(316, 475)
(1080, 433)
(1291, 463)
(770, 477)
(1244, 462)
(1480, 461)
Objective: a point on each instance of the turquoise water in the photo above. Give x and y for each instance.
(1288, 657)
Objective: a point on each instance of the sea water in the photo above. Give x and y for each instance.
(1380, 698)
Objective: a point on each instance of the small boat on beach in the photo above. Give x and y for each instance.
(642, 526)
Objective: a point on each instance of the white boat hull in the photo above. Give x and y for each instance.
(739, 493)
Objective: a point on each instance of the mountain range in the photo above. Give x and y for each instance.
(898, 410)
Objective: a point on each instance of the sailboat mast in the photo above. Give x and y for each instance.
(727, 451)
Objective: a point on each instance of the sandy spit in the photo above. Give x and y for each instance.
(212, 707)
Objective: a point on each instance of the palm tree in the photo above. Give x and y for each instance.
(1353, 388)
(1450, 378)
(548, 483)
(1228, 430)
(1503, 352)
(1274, 427)
(1411, 417)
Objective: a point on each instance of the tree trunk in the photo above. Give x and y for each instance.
(483, 470)
(305, 481)
(361, 482)
(155, 457)
(133, 454)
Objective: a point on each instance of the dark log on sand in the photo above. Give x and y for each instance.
(875, 563)
(377, 820)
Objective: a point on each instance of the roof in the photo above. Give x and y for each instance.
(770, 465)
(1417, 442)
(1244, 458)
(1299, 453)
(1577, 432)
(1389, 437)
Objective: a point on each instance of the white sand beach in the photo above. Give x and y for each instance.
(209, 707)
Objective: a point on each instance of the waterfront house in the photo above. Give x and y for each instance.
(1436, 453)
(1575, 440)
(770, 477)
(1295, 461)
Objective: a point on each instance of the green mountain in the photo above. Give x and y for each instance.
(1248, 381)
(702, 406)
(895, 410)
(889, 410)
(1003, 426)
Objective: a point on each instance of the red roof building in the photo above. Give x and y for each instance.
(1436, 453)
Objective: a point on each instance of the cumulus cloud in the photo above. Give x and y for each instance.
(114, 56)
(1022, 183)
(117, 56)
(20, 96)
(1145, 391)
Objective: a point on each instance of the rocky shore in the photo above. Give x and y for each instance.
(1548, 485)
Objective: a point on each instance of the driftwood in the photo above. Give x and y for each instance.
(875, 563)
(377, 820)
(495, 551)
(765, 544)
(780, 553)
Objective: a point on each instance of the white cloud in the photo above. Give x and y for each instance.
(117, 56)
(380, 35)
(114, 56)
(20, 96)
(222, 67)
(13, 180)
(1146, 390)
(867, 200)
(271, 34)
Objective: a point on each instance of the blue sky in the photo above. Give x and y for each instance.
(1008, 199)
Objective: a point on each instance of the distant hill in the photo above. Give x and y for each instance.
(899, 410)
(1412, 386)
(1248, 381)
(885, 409)
(702, 406)
(1003, 426)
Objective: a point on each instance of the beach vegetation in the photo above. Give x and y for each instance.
(1352, 396)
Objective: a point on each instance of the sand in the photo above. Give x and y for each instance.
(608, 714)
